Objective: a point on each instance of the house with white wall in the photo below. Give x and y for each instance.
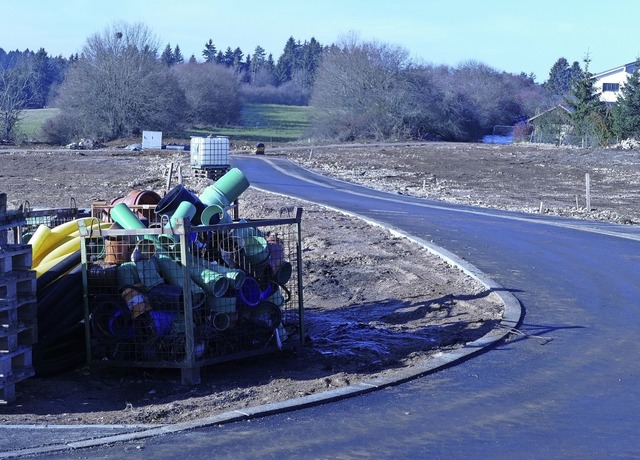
(611, 81)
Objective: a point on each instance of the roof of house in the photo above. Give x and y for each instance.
(555, 107)
(630, 67)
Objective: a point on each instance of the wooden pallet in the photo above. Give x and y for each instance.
(20, 334)
(15, 257)
(17, 285)
(210, 173)
(15, 366)
(18, 305)
(17, 313)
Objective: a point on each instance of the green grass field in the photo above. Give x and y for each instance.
(266, 123)
(260, 123)
(30, 126)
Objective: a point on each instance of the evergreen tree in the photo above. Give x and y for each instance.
(258, 62)
(311, 55)
(210, 52)
(177, 56)
(300, 62)
(558, 83)
(167, 56)
(238, 56)
(3, 59)
(574, 73)
(58, 68)
(286, 62)
(309, 60)
(259, 56)
(626, 112)
(589, 116)
(12, 57)
(243, 71)
(228, 57)
(43, 78)
(562, 77)
(270, 64)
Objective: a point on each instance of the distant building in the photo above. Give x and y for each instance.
(611, 81)
(553, 126)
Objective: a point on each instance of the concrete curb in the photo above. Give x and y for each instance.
(510, 319)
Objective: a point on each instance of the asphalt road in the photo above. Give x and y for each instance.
(566, 386)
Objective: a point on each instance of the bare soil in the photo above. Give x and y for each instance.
(374, 302)
(519, 177)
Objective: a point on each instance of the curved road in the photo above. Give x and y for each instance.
(566, 386)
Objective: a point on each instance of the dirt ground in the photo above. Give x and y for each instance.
(373, 302)
(519, 177)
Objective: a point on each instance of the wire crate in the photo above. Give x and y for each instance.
(146, 212)
(51, 217)
(187, 297)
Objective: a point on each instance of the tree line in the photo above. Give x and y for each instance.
(121, 84)
(298, 61)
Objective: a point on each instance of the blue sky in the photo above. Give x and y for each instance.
(512, 36)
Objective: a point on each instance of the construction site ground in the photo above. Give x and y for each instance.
(374, 302)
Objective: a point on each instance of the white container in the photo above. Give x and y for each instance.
(209, 152)
(151, 139)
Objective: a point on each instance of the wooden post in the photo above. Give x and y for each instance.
(169, 176)
(587, 180)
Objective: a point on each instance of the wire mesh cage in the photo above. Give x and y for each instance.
(174, 295)
(101, 210)
(51, 217)
(33, 218)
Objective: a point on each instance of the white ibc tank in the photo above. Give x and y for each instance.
(207, 152)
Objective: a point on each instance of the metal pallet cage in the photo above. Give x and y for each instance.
(51, 217)
(181, 296)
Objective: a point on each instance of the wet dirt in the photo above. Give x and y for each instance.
(374, 302)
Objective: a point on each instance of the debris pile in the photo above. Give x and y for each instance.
(629, 144)
(166, 282)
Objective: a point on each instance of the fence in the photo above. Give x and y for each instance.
(177, 296)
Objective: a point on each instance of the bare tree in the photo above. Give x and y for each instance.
(359, 91)
(14, 98)
(212, 93)
(373, 91)
(119, 87)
